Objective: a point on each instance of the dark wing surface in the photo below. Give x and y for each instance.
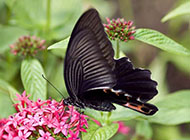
(89, 62)
(135, 82)
(134, 87)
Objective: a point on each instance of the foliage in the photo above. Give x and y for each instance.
(183, 9)
(53, 21)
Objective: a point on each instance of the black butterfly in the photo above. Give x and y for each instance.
(95, 79)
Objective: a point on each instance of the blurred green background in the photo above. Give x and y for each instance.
(53, 20)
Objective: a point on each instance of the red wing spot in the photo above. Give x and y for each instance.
(105, 90)
(139, 108)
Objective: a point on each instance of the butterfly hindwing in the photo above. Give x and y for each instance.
(134, 82)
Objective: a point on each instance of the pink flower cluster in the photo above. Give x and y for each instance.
(119, 29)
(42, 120)
(27, 46)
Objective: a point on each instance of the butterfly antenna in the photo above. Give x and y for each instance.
(53, 86)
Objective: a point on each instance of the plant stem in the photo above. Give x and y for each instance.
(8, 15)
(48, 16)
(117, 49)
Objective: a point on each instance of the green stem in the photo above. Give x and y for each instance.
(117, 49)
(48, 16)
(8, 15)
(108, 117)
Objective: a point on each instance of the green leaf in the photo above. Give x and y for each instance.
(95, 132)
(59, 48)
(183, 9)
(174, 109)
(144, 129)
(8, 89)
(164, 132)
(9, 35)
(33, 15)
(158, 68)
(12, 94)
(92, 127)
(31, 75)
(161, 41)
(30, 14)
(60, 45)
(6, 105)
(94, 114)
(181, 62)
(56, 78)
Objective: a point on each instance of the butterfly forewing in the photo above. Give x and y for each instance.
(89, 62)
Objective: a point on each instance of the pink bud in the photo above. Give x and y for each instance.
(107, 26)
(43, 47)
(113, 20)
(129, 33)
(130, 23)
(132, 32)
(15, 52)
(42, 42)
(108, 20)
(108, 31)
(34, 37)
(131, 37)
(21, 39)
(31, 44)
(114, 27)
(133, 28)
(11, 46)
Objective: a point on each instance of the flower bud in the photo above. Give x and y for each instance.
(119, 29)
(27, 46)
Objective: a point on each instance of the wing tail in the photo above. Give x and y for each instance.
(144, 108)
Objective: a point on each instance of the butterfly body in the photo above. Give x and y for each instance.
(95, 79)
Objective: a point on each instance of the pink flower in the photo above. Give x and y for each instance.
(14, 120)
(8, 136)
(97, 122)
(22, 135)
(50, 116)
(74, 136)
(45, 136)
(61, 127)
(122, 128)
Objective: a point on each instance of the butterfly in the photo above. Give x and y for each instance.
(96, 80)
